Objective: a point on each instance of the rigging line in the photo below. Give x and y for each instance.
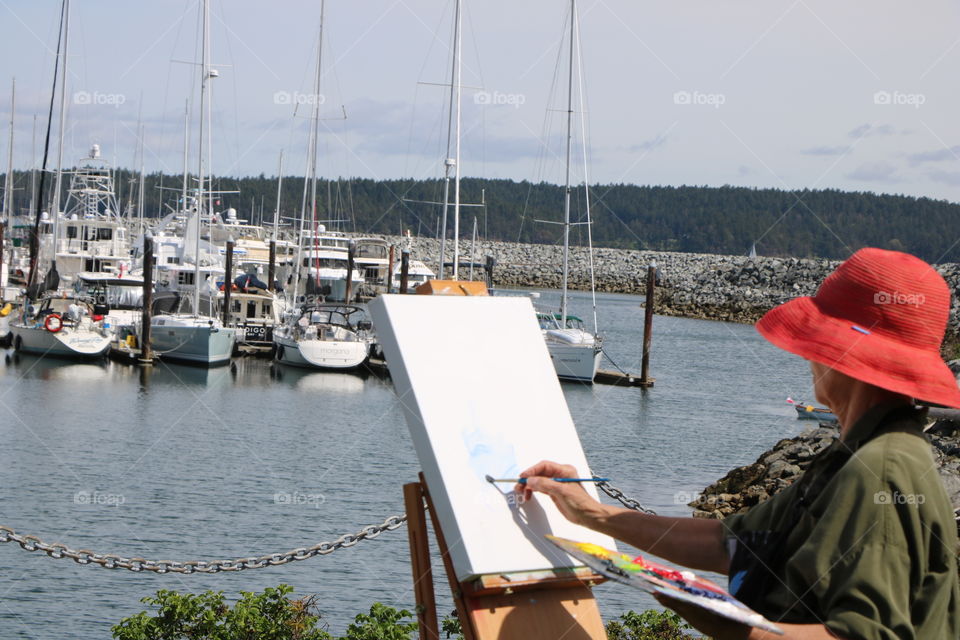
(233, 79)
(35, 235)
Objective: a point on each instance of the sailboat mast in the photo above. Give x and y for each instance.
(276, 212)
(186, 153)
(204, 78)
(458, 85)
(8, 183)
(566, 192)
(55, 212)
(451, 162)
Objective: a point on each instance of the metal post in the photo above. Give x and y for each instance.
(146, 350)
(404, 270)
(390, 268)
(271, 270)
(648, 322)
(351, 252)
(228, 283)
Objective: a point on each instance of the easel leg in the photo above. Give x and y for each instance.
(420, 561)
(463, 613)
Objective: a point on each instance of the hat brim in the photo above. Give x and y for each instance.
(800, 327)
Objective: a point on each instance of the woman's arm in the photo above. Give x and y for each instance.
(692, 542)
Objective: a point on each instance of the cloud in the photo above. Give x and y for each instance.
(825, 151)
(945, 177)
(867, 130)
(875, 172)
(939, 155)
(648, 145)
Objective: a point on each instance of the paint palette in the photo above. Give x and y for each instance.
(653, 577)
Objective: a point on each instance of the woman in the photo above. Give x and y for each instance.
(863, 546)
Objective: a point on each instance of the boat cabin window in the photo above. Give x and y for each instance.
(72, 231)
(173, 260)
(104, 233)
(251, 308)
(185, 277)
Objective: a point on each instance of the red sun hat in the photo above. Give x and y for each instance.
(879, 318)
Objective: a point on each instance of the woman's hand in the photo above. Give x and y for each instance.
(571, 499)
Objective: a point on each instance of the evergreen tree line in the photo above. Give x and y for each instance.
(726, 220)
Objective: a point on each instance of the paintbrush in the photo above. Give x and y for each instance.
(492, 480)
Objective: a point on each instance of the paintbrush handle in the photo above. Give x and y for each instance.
(524, 480)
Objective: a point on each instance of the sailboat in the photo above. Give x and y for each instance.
(54, 324)
(191, 331)
(575, 351)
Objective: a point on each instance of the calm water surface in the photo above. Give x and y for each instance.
(189, 464)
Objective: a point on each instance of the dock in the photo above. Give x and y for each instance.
(622, 379)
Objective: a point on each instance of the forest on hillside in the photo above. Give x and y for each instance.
(727, 220)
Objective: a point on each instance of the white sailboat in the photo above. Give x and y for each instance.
(191, 332)
(324, 337)
(575, 351)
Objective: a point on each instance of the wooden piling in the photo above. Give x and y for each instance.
(389, 278)
(271, 270)
(648, 324)
(227, 283)
(404, 270)
(488, 269)
(351, 253)
(146, 350)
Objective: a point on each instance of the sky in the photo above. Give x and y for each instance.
(804, 94)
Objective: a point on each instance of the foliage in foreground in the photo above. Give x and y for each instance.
(272, 615)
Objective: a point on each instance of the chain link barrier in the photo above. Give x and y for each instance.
(111, 561)
(620, 497)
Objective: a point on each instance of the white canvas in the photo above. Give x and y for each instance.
(481, 396)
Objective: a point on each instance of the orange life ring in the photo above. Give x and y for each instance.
(53, 323)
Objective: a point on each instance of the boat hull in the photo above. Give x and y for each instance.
(321, 354)
(209, 346)
(67, 343)
(575, 362)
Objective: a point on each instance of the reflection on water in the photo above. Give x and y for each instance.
(197, 463)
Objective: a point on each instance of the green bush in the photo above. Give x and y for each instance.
(263, 616)
(649, 625)
(272, 615)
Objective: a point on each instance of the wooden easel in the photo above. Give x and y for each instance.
(521, 606)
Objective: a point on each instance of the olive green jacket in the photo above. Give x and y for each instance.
(872, 554)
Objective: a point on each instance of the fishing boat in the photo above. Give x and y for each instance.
(61, 326)
(324, 336)
(811, 412)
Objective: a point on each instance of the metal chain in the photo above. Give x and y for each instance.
(619, 496)
(110, 561)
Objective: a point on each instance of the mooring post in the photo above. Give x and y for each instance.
(404, 270)
(389, 278)
(228, 282)
(648, 322)
(488, 268)
(146, 351)
(351, 253)
(271, 270)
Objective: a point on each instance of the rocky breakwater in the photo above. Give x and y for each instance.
(709, 286)
(778, 468)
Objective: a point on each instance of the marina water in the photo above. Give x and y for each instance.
(194, 464)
